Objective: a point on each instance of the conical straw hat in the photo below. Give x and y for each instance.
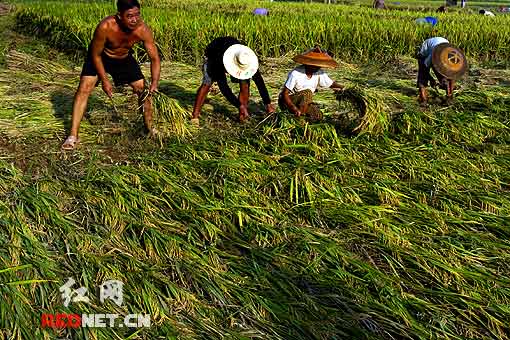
(449, 61)
(316, 57)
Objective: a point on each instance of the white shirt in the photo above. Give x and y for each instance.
(297, 80)
(428, 46)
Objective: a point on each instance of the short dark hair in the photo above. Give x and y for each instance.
(124, 5)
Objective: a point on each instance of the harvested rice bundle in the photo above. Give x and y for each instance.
(373, 114)
(18, 61)
(169, 117)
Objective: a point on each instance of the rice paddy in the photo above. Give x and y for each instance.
(274, 229)
(183, 29)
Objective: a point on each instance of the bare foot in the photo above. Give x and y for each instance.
(153, 133)
(243, 118)
(424, 103)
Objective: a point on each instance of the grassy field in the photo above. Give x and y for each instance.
(183, 29)
(420, 5)
(274, 229)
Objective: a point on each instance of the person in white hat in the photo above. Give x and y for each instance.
(226, 55)
(486, 13)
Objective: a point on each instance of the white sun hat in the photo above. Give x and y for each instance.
(240, 61)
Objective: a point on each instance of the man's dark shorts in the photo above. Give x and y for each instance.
(123, 71)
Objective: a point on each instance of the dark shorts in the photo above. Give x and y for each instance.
(123, 71)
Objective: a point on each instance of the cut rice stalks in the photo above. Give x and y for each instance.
(19, 61)
(169, 117)
(373, 114)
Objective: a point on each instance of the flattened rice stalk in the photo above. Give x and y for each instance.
(19, 61)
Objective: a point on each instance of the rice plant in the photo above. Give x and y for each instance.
(183, 29)
(168, 115)
(278, 229)
(373, 114)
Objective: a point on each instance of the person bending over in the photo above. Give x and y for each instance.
(226, 55)
(111, 52)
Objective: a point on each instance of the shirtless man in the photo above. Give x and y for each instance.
(110, 52)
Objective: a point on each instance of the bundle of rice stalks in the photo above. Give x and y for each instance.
(18, 61)
(368, 112)
(169, 117)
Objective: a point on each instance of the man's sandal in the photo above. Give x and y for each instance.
(70, 143)
(195, 122)
(153, 133)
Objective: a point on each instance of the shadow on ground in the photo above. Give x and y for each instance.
(62, 101)
(186, 98)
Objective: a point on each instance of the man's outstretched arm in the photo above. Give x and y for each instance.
(97, 48)
(261, 87)
(336, 86)
(152, 51)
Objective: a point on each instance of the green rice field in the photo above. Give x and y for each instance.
(278, 228)
(183, 29)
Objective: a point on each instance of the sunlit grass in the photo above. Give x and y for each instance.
(277, 229)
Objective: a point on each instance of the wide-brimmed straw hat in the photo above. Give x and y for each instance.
(316, 57)
(449, 61)
(240, 61)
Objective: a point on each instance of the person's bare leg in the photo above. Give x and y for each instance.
(449, 91)
(424, 77)
(423, 98)
(145, 106)
(87, 85)
(244, 95)
(451, 86)
(202, 92)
